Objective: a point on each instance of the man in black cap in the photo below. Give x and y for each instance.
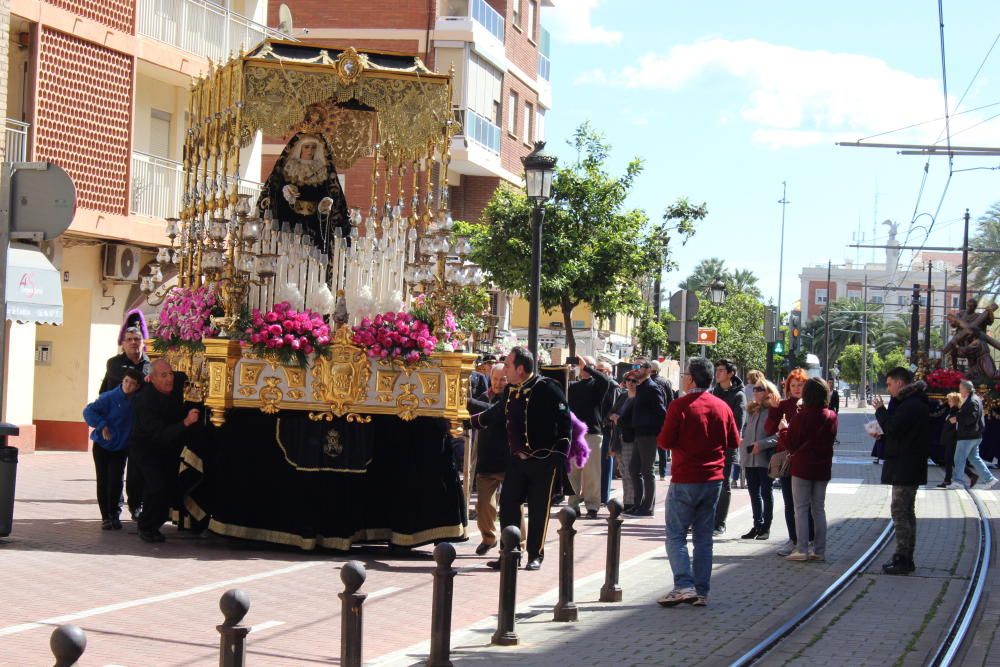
(537, 418)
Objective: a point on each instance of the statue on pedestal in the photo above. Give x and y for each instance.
(972, 343)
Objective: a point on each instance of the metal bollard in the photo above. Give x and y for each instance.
(233, 637)
(444, 589)
(67, 643)
(611, 591)
(510, 558)
(565, 609)
(353, 575)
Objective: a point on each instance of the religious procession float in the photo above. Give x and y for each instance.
(968, 355)
(323, 341)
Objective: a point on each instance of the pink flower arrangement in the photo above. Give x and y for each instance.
(395, 335)
(287, 333)
(185, 317)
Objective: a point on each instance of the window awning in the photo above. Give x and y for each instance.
(34, 288)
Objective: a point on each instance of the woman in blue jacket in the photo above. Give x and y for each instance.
(111, 418)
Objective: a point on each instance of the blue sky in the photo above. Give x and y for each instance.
(726, 99)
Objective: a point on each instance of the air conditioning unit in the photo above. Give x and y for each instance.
(121, 263)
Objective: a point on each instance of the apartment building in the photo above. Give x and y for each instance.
(100, 88)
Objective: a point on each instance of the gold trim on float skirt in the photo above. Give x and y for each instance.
(284, 452)
(193, 460)
(339, 543)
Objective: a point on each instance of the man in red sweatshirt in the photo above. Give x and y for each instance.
(698, 430)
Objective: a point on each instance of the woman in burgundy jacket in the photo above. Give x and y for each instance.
(810, 441)
(778, 419)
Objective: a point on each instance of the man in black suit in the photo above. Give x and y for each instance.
(158, 435)
(538, 434)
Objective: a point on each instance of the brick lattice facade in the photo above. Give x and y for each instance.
(84, 117)
(117, 14)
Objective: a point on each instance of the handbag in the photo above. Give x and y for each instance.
(779, 464)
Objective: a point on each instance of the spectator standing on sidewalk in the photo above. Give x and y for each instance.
(491, 461)
(586, 401)
(699, 429)
(611, 396)
(111, 418)
(729, 388)
(905, 423)
(970, 423)
(623, 439)
(778, 420)
(755, 454)
(648, 411)
(949, 438)
(662, 455)
(810, 440)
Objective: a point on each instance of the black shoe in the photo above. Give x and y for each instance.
(534, 564)
(495, 564)
(663, 478)
(719, 531)
(116, 523)
(899, 565)
(750, 535)
(159, 537)
(628, 509)
(147, 536)
(943, 485)
(591, 514)
(483, 548)
(558, 500)
(106, 524)
(763, 534)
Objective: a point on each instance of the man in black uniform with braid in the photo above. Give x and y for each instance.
(537, 418)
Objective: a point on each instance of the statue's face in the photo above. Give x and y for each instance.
(971, 304)
(308, 151)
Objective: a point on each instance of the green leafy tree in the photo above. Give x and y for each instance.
(593, 247)
(845, 326)
(740, 321)
(892, 359)
(984, 267)
(850, 364)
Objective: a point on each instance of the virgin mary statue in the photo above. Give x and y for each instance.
(303, 188)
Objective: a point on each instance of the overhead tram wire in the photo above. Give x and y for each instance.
(944, 86)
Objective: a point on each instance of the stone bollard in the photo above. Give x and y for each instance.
(67, 642)
(444, 589)
(565, 609)
(510, 559)
(232, 636)
(353, 575)
(611, 591)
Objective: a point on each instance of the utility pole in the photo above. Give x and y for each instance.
(930, 301)
(781, 253)
(863, 385)
(963, 289)
(826, 317)
(915, 323)
(656, 309)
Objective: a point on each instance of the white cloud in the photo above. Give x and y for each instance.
(797, 97)
(570, 21)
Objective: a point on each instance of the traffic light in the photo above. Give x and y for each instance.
(779, 347)
(794, 329)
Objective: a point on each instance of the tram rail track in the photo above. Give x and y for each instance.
(960, 625)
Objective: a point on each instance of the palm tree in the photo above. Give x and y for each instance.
(896, 334)
(845, 326)
(984, 267)
(704, 274)
(745, 282)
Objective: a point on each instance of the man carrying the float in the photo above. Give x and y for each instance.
(537, 418)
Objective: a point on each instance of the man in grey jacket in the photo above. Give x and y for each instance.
(728, 387)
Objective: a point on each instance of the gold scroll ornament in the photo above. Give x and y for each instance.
(341, 379)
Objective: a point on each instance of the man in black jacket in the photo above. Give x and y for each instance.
(491, 461)
(648, 410)
(728, 387)
(662, 455)
(538, 434)
(586, 401)
(970, 424)
(906, 423)
(156, 442)
(607, 429)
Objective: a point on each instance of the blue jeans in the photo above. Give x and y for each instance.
(691, 505)
(967, 451)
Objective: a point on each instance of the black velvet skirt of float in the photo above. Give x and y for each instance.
(286, 479)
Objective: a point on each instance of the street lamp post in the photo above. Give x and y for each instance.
(538, 170)
(717, 295)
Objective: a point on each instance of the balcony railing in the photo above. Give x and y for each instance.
(201, 27)
(481, 12)
(17, 141)
(158, 186)
(544, 67)
(479, 129)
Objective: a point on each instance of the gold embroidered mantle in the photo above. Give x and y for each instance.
(346, 383)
